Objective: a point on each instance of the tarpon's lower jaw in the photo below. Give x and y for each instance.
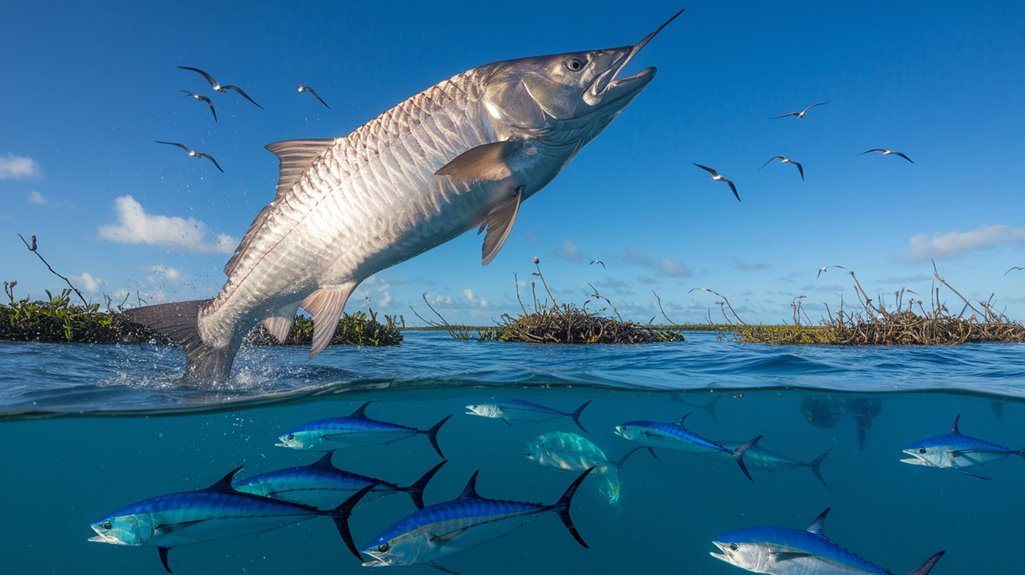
(604, 92)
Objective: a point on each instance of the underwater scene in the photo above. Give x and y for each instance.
(664, 458)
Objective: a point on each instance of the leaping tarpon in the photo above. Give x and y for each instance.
(462, 154)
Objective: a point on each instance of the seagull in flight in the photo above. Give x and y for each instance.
(192, 153)
(598, 262)
(886, 152)
(313, 93)
(826, 269)
(1013, 268)
(786, 160)
(202, 98)
(800, 114)
(718, 178)
(221, 88)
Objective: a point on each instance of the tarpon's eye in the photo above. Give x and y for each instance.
(383, 548)
(733, 546)
(573, 64)
(921, 450)
(106, 525)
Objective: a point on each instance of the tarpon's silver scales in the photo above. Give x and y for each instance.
(462, 154)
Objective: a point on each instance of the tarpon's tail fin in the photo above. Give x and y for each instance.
(927, 566)
(576, 415)
(738, 455)
(416, 490)
(562, 507)
(340, 515)
(179, 322)
(432, 435)
(816, 467)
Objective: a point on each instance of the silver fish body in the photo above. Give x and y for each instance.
(462, 154)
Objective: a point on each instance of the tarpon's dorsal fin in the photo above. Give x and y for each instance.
(470, 491)
(817, 527)
(499, 223)
(325, 461)
(224, 484)
(487, 162)
(278, 327)
(679, 422)
(953, 427)
(325, 307)
(295, 156)
(361, 411)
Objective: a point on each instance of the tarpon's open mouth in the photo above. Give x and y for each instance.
(608, 80)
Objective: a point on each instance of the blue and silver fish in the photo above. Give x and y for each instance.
(352, 430)
(575, 453)
(675, 436)
(956, 451)
(321, 484)
(216, 512)
(509, 410)
(784, 551)
(759, 457)
(444, 528)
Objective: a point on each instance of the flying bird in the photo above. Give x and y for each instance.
(204, 99)
(886, 152)
(312, 92)
(1013, 268)
(786, 160)
(221, 88)
(192, 153)
(598, 262)
(826, 269)
(718, 178)
(800, 114)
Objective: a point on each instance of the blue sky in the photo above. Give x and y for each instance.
(89, 88)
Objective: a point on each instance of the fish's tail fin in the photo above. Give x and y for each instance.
(622, 460)
(340, 515)
(927, 566)
(816, 467)
(738, 455)
(432, 435)
(576, 415)
(416, 490)
(562, 507)
(179, 322)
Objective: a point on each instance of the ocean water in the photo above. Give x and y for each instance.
(89, 429)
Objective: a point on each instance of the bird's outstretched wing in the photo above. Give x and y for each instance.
(770, 160)
(315, 95)
(208, 77)
(784, 115)
(901, 154)
(243, 94)
(732, 187)
(182, 146)
(805, 111)
(707, 169)
(211, 158)
(800, 168)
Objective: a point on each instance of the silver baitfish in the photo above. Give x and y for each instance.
(575, 453)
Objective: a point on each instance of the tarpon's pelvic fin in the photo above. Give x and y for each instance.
(499, 223)
(295, 156)
(325, 307)
(279, 326)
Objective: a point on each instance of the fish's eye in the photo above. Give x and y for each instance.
(734, 546)
(291, 436)
(383, 548)
(573, 64)
(106, 525)
(921, 450)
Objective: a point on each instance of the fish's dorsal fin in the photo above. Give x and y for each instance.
(325, 307)
(295, 156)
(817, 527)
(499, 223)
(361, 411)
(953, 427)
(487, 162)
(325, 461)
(679, 422)
(470, 491)
(224, 483)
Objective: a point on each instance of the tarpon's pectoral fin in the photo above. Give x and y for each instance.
(487, 162)
(278, 327)
(499, 224)
(325, 307)
(295, 156)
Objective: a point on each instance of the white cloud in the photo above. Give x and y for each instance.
(89, 282)
(673, 268)
(636, 257)
(954, 243)
(163, 273)
(135, 226)
(569, 251)
(37, 198)
(472, 298)
(17, 167)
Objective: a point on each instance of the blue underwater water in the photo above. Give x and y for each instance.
(89, 429)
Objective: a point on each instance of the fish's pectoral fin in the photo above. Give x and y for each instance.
(790, 555)
(163, 558)
(279, 326)
(440, 568)
(487, 162)
(957, 467)
(295, 156)
(325, 307)
(167, 528)
(499, 224)
(448, 535)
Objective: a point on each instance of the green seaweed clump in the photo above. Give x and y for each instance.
(358, 328)
(57, 320)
